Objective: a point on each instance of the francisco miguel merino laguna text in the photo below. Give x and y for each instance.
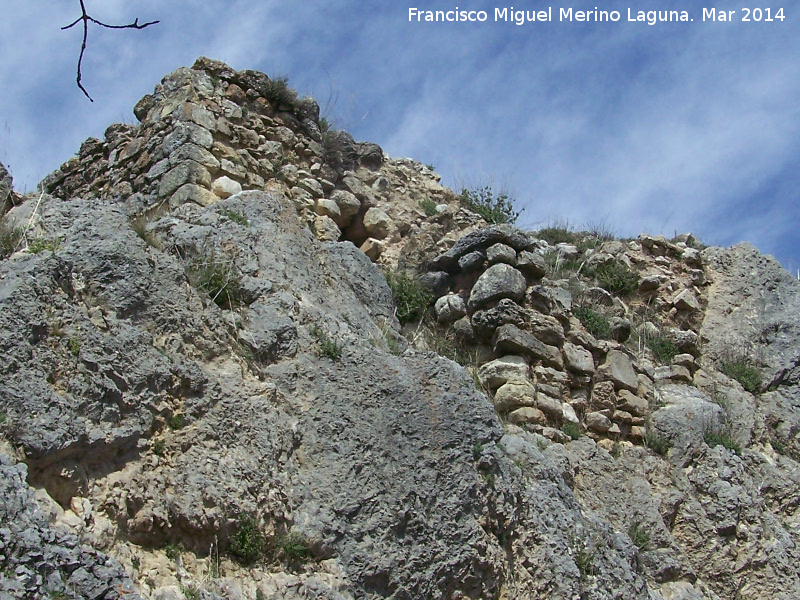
(520, 17)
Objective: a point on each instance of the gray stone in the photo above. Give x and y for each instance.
(480, 240)
(618, 369)
(450, 308)
(505, 311)
(578, 359)
(495, 373)
(513, 394)
(532, 264)
(501, 253)
(497, 282)
(6, 190)
(598, 422)
(224, 187)
(686, 300)
(510, 339)
(632, 403)
(268, 333)
(472, 261)
(527, 414)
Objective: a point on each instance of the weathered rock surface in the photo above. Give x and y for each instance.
(184, 363)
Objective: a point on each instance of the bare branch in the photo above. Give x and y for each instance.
(86, 18)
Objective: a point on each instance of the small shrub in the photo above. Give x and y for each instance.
(173, 551)
(595, 322)
(584, 560)
(324, 124)
(236, 217)
(295, 548)
(278, 92)
(614, 277)
(190, 592)
(573, 430)
(658, 444)
(740, 368)
(176, 421)
(74, 345)
(639, 535)
(558, 233)
(328, 347)
(616, 450)
(714, 438)
(411, 298)
(158, 446)
(37, 245)
(10, 238)
(430, 167)
(662, 347)
(248, 542)
(492, 206)
(429, 206)
(3, 418)
(337, 149)
(216, 276)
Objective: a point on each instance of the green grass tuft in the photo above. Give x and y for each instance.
(614, 277)
(595, 322)
(573, 430)
(656, 442)
(639, 535)
(411, 299)
(740, 368)
(236, 217)
(429, 206)
(328, 347)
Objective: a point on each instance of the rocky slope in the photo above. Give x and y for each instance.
(209, 389)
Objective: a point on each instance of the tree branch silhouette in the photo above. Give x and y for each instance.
(86, 19)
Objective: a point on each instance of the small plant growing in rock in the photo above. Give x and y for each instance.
(248, 542)
(74, 345)
(295, 548)
(37, 245)
(176, 421)
(429, 206)
(158, 446)
(656, 442)
(216, 276)
(10, 238)
(573, 430)
(614, 277)
(411, 298)
(714, 437)
(493, 207)
(278, 92)
(595, 322)
(327, 346)
(584, 560)
(236, 217)
(559, 232)
(740, 368)
(173, 551)
(639, 536)
(662, 347)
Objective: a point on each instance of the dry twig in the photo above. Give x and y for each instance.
(86, 18)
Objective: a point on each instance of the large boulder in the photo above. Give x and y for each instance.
(497, 282)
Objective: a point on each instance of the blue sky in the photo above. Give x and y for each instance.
(661, 129)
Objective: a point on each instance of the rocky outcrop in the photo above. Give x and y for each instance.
(206, 384)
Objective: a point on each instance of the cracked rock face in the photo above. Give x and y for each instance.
(205, 392)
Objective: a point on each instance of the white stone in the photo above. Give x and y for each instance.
(225, 187)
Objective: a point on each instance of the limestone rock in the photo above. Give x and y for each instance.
(618, 369)
(501, 253)
(497, 372)
(225, 187)
(532, 264)
(377, 223)
(527, 414)
(497, 282)
(510, 339)
(578, 359)
(598, 422)
(513, 394)
(450, 308)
